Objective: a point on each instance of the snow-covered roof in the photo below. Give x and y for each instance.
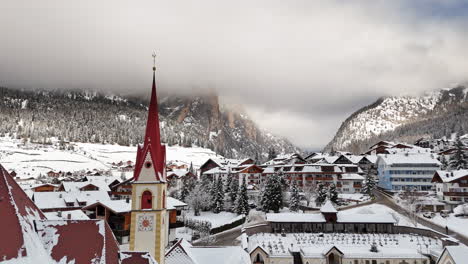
(74, 215)
(328, 207)
(459, 254)
(391, 159)
(75, 186)
(184, 253)
(449, 176)
(53, 200)
(352, 245)
(173, 203)
(116, 206)
(352, 176)
(295, 217)
(179, 173)
(344, 217)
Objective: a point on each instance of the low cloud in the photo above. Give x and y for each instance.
(299, 67)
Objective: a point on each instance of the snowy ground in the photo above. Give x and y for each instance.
(457, 224)
(31, 160)
(215, 219)
(354, 197)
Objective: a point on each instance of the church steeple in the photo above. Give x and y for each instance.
(152, 147)
(149, 219)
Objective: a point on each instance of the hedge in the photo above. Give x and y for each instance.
(228, 226)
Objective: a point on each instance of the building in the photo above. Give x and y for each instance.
(340, 248)
(406, 171)
(329, 220)
(175, 176)
(148, 215)
(453, 255)
(451, 187)
(66, 201)
(183, 252)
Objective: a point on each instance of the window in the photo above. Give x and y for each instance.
(146, 200)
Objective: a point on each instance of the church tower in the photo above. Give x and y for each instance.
(148, 224)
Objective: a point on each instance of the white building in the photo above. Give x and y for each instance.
(406, 171)
(451, 186)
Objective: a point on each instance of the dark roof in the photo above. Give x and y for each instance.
(80, 240)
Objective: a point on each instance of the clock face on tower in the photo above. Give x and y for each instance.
(145, 223)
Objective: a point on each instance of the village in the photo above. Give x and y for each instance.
(383, 206)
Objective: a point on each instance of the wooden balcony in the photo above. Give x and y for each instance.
(462, 194)
(357, 185)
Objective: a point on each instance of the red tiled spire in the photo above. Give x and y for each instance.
(152, 144)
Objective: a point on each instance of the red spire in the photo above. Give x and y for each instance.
(152, 125)
(152, 144)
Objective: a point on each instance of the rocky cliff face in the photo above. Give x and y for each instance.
(404, 118)
(93, 117)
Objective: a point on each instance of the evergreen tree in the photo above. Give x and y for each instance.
(227, 186)
(242, 202)
(272, 197)
(213, 193)
(294, 198)
(188, 183)
(369, 184)
(443, 162)
(459, 159)
(333, 194)
(234, 190)
(321, 194)
(191, 169)
(219, 197)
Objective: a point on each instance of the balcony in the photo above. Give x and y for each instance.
(462, 194)
(357, 185)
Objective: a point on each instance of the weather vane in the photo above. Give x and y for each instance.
(154, 61)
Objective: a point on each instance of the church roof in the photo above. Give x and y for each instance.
(17, 213)
(152, 144)
(28, 237)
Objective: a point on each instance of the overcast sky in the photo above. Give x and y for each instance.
(298, 67)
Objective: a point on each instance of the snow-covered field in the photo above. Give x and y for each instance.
(31, 160)
(215, 219)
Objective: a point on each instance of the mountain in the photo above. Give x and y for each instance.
(83, 116)
(405, 119)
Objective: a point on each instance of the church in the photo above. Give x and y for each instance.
(29, 237)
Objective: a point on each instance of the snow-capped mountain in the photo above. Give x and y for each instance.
(93, 117)
(404, 118)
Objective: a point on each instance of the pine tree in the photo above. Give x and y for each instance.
(321, 194)
(219, 197)
(333, 194)
(188, 183)
(191, 170)
(213, 193)
(242, 202)
(294, 198)
(369, 184)
(459, 159)
(272, 197)
(443, 162)
(234, 190)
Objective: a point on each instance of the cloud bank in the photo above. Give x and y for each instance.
(299, 67)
